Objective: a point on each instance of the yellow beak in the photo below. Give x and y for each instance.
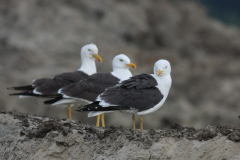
(131, 65)
(159, 72)
(98, 58)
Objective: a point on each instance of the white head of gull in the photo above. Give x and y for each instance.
(88, 55)
(121, 64)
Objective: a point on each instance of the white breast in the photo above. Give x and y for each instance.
(122, 74)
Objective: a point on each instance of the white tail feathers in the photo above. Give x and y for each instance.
(64, 102)
(22, 96)
(93, 113)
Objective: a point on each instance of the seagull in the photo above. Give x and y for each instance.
(140, 95)
(48, 87)
(86, 91)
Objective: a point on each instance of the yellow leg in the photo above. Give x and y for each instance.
(69, 112)
(133, 119)
(98, 121)
(141, 123)
(102, 117)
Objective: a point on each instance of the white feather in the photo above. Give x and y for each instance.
(36, 92)
(64, 102)
(120, 68)
(21, 96)
(60, 91)
(122, 74)
(93, 113)
(103, 103)
(77, 99)
(88, 61)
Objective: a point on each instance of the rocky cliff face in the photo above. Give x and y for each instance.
(33, 137)
(41, 38)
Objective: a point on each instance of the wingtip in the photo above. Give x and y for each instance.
(10, 88)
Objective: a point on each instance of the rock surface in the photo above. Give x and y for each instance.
(34, 137)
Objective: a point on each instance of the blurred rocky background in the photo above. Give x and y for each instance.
(42, 38)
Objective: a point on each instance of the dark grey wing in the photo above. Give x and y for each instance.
(138, 92)
(50, 86)
(133, 98)
(91, 87)
(139, 82)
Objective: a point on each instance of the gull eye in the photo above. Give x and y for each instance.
(165, 67)
(89, 49)
(121, 60)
